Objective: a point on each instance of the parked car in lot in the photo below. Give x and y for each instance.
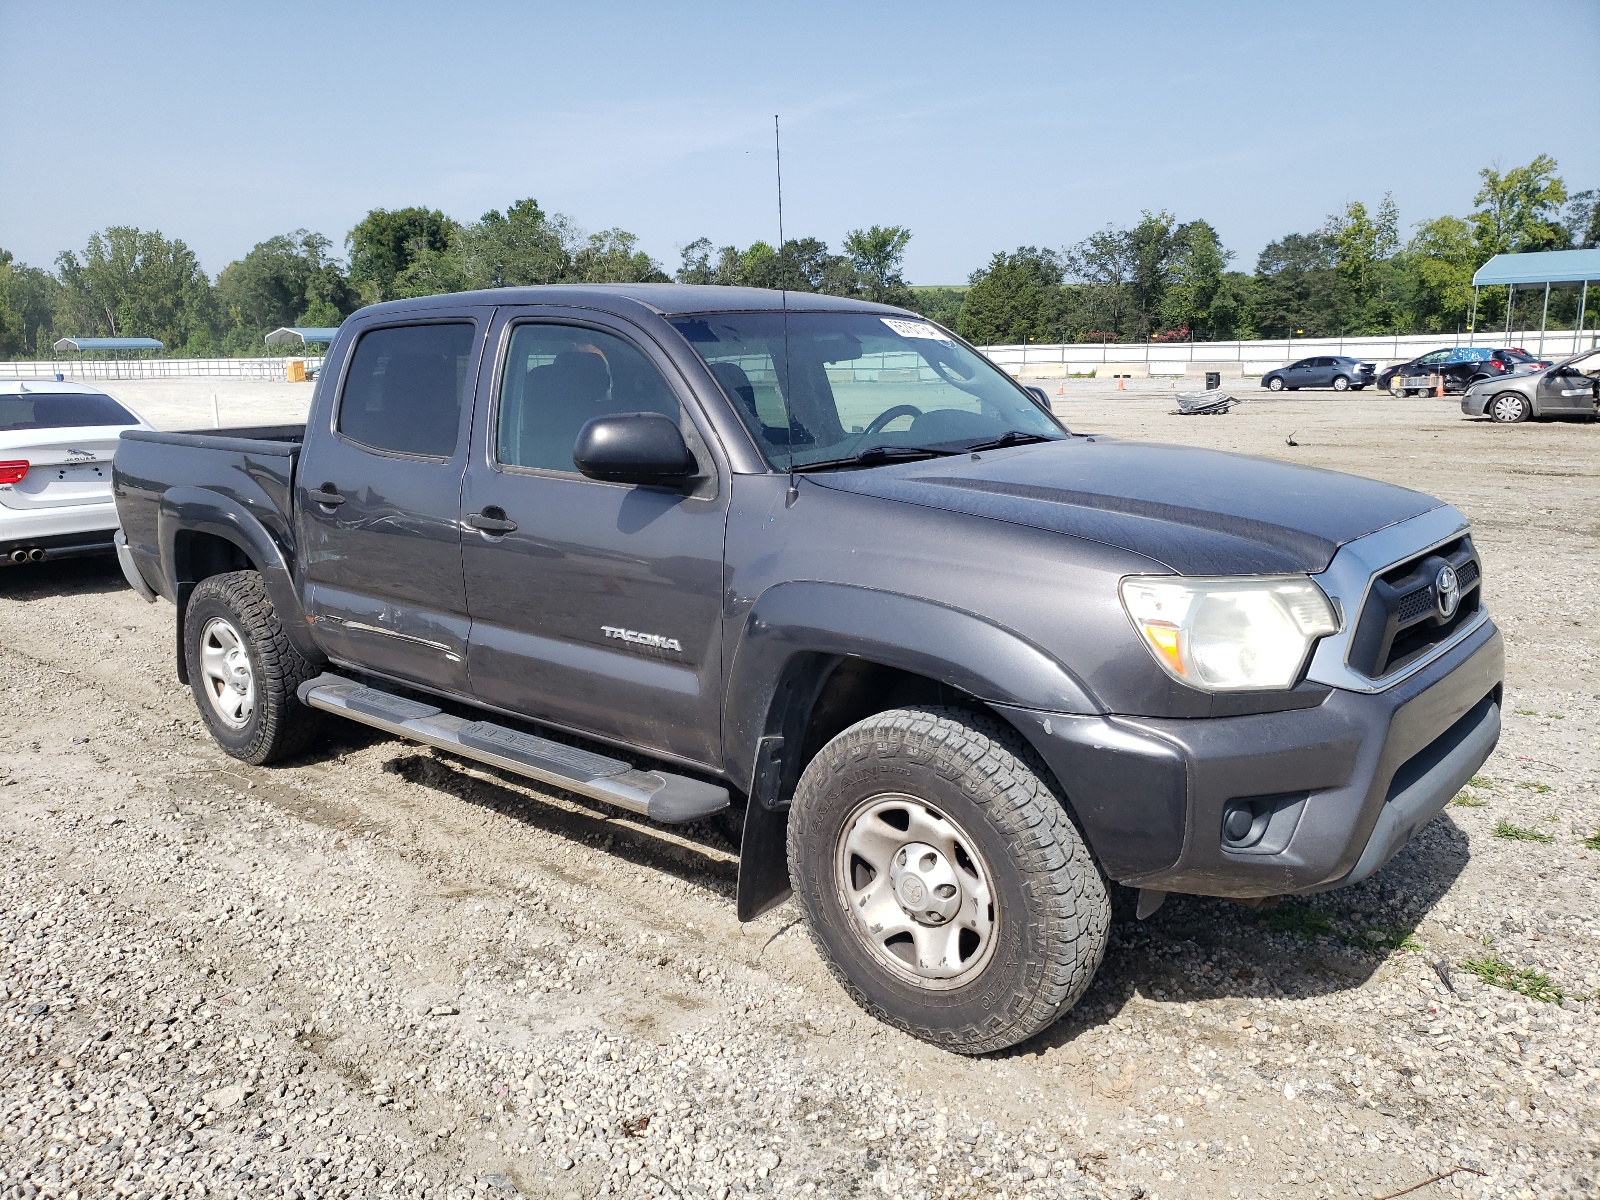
(56, 445)
(1460, 367)
(1324, 371)
(1570, 388)
(818, 564)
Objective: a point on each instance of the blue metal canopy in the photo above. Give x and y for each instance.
(299, 335)
(82, 343)
(1547, 266)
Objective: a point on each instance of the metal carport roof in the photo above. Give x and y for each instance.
(1546, 266)
(301, 334)
(80, 343)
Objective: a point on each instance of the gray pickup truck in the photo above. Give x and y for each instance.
(817, 566)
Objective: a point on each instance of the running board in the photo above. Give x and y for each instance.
(670, 799)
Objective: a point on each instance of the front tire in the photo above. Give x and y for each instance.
(244, 671)
(1509, 407)
(943, 882)
(1275, 385)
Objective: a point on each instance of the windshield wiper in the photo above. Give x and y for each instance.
(1011, 437)
(879, 454)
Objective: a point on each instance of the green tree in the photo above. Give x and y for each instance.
(1295, 285)
(518, 248)
(387, 243)
(1581, 220)
(1440, 258)
(1364, 300)
(1016, 296)
(877, 254)
(613, 256)
(29, 299)
(1195, 299)
(941, 304)
(1519, 210)
(133, 283)
(285, 280)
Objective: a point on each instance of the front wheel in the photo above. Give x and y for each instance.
(1275, 385)
(1509, 407)
(1341, 383)
(942, 880)
(244, 671)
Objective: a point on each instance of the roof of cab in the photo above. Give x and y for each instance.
(666, 299)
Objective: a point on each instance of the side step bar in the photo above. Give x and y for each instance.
(671, 799)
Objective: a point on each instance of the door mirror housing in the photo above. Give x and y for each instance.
(641, 447)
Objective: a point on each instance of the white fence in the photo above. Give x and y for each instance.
(154, 368)
(1258, 357)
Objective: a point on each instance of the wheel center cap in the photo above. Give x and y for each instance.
(925, 883)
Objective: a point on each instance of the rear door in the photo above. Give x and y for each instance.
(595, 606)
(378, 501)
(1321, 373)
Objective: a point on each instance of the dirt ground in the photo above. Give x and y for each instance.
(384, 971)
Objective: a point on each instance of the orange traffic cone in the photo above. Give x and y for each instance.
(1061, 388)
(1122, 384)
(1438, 389)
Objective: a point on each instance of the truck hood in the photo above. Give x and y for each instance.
(1198, 512)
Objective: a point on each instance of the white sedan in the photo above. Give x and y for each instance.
(56, 445)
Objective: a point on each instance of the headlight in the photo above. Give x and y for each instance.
(1231, 634)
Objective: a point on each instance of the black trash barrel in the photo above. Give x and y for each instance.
(1213, 380)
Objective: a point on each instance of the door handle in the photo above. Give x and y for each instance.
(492, 520)
(326, 496)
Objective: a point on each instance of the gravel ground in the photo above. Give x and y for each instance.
(384, 971)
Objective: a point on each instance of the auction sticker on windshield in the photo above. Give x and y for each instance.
(915, 329)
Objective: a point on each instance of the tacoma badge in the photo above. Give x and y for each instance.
(642, 639)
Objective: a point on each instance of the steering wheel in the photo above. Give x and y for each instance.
(889, 414)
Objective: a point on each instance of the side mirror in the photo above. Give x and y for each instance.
(1039, 396)
(642, 447)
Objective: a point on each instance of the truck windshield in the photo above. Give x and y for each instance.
(60, 410)
(859, 388)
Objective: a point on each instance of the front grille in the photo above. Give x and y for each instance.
(1401, 622)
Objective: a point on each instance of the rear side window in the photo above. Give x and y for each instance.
(560, 377)
(404, 389)
(60, 410)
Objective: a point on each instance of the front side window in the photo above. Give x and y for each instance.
(834, 387)
(1434, 359)
(1301, 365)
(560, 377)
(404, 390)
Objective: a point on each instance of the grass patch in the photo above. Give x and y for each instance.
(1516, 833)
(1299, 919)
(1592, 841)
(1525, 712)
(1482, 781)
(1495, 971)
(1535, 786)
(1468, 800)
(1390, 940)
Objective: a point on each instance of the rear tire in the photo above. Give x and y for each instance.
(1508, 408)
(1341, 383)
(918, 808)
(244, 671)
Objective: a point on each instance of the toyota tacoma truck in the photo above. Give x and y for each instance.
(818, 566)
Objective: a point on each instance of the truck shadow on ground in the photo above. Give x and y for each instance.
(697, 853)
(90, 576)
(1198, 949)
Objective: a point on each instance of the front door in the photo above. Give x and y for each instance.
(595, 606)
(378, 497)
(1569, 389)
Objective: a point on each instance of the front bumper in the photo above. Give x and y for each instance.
(1475, 403)
(1340, 787)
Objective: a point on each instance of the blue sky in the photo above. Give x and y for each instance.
(981, 127)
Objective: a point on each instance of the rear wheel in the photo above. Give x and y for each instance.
(1510, 407)
(942, 880)
(1341, 383)
(244, 671)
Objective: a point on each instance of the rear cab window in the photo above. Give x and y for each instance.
(405, 386)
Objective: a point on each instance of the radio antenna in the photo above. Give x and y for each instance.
(783, 300)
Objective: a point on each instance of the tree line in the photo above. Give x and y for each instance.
(1160, 278)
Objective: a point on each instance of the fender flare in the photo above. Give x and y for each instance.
(201, 510)
(822, 623)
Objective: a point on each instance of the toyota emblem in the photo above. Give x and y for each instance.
(1447, 592)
